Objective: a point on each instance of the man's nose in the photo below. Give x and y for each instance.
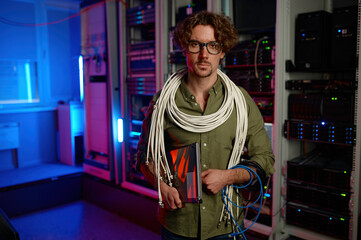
(204, 51)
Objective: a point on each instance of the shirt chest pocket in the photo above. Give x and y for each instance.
(225, 134)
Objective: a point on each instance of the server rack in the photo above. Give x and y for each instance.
(251, 64)
(101, 90)
(142, 77)
(317, 148)
(178, 11)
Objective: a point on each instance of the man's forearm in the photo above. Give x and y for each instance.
(239, 175)
(148, 173)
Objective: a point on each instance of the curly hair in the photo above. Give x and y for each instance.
(224, 30)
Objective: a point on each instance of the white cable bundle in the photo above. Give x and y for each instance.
(197, 124)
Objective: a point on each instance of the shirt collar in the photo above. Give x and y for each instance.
(216, 88)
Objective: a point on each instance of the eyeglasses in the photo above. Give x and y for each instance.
(212, 47)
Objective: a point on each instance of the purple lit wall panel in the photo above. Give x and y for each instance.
(97, 118)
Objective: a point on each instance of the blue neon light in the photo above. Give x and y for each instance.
(137, 122)
(120, 130)
(28, 81)
(134, 134)
(81, 79)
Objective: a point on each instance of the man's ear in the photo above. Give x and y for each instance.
(222, 55)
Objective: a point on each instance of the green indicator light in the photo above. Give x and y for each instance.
(265, 187)
(267, 76)
(333, 98)
(344, 172)
(268, 48)
(269, 70)
(342, 219)
(264, 197)
(336, 98)
(343, 194)
(254, 41)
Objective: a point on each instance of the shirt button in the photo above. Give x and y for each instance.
(195, 104)
(204, 207)
(205, 144)
(192, 97)
(204, 165)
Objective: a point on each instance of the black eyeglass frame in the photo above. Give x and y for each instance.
(204, 45)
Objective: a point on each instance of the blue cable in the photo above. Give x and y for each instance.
(225, 196)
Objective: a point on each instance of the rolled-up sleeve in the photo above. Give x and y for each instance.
(144, 136)
(258, 143)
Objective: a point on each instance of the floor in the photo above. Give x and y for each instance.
(78, 221)
(81, 220)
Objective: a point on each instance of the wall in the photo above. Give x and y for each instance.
(33, 34)
(37, 138)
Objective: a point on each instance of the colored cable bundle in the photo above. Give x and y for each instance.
(228, 202)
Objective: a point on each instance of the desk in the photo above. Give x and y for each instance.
(9, 139)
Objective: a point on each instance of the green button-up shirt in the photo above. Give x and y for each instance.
(201, 220)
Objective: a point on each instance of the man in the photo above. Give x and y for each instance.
(205, 38)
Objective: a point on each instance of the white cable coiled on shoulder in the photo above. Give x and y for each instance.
(197, 124)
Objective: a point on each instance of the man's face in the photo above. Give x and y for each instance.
(203, 64)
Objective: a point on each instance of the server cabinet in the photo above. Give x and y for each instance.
(99, 74)
(149, 57)
(142, 76)
(316, 123)
(251, 65)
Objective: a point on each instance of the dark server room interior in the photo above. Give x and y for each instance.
(76, 81)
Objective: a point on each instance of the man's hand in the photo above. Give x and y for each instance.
(170, 196)
(214, 180)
